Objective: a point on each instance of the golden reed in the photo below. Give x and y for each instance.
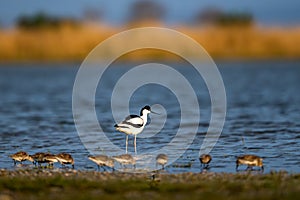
(74, 43)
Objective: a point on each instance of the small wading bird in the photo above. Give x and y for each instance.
(50, 159)
(41, 158)
(20, 157)
(38, 158)
(125, 159)
(64, 159)
(102, 161)
(250, 160)
(134, 124)
(161, 159)
(205, 160)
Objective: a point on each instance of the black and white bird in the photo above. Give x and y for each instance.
(134, 124)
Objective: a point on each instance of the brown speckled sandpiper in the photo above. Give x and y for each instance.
(102, 161)
(20, 157)
(250, 160)
(161, 159)
(50, 159)
(125, 159)
(205, 160)
(64, 159)
(41, 157)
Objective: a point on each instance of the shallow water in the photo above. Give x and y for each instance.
(263, 114)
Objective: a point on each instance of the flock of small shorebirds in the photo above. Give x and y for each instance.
(132, 125)
(103, 161)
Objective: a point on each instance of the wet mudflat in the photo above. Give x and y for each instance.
(73, 184)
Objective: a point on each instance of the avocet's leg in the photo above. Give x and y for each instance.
(135, 144)
(126, 142)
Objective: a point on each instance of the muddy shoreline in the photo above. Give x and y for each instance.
(74, 184)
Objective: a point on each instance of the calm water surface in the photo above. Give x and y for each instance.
(263, 114)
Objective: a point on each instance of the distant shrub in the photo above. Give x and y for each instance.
(218, 17)
(146, 10)
(235, 18)
(40, 20)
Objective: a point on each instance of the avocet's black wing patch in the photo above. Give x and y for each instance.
(133, 120)
(131, 116)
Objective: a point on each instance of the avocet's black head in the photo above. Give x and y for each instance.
(147, 109)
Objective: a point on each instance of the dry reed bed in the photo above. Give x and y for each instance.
(74, 43)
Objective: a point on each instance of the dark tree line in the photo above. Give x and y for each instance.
(141, 11)
(40, 20)
(218, 17)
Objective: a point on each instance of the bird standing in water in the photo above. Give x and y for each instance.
(20, 157)
(134, 124)
(65, 158)
(125, 159)
(161, 159)
(102, 161)
(205, 160)
(250, 160)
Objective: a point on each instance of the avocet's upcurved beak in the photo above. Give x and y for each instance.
(154, 112)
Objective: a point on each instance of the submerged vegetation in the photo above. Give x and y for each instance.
(69, 184)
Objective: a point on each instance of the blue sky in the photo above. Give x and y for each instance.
(267, 12)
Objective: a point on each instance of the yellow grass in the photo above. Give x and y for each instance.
(74, 43)
(251, 42)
